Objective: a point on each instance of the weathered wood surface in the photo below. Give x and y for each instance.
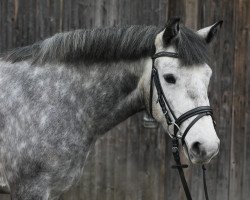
(131, 162)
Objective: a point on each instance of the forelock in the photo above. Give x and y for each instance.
(192, 49)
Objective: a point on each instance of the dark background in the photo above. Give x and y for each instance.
(131, 162)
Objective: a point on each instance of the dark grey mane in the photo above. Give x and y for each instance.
(109, 44)
(100, 44)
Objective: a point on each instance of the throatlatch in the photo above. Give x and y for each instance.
(171, 119)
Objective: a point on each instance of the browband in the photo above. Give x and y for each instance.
(165, 54)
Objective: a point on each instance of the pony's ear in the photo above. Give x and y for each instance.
(171, 30)
(210, 32)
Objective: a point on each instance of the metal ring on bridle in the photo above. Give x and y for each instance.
(176, 135)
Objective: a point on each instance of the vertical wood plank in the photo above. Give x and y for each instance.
(31, 21)
(66, 15)
(191, 20)
(4, 24)
(239, 101)
(120, 163)
(246, 172)
(132, 155)
(176, 9)
(10, 12)
(110, 155)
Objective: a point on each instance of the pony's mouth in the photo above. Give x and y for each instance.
(197, 160)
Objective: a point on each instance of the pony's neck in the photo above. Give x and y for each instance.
(113, 93)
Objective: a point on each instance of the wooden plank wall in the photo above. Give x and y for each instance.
(131, 162)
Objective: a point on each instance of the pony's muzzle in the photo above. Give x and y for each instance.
(203, 152)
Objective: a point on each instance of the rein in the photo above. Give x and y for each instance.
(171, 119)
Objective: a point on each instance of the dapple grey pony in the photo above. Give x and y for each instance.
(58, 96)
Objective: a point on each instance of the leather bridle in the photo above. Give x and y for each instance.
(171, 119)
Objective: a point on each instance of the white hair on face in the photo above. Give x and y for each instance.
(188, 92)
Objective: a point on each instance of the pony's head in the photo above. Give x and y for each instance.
(184, 81)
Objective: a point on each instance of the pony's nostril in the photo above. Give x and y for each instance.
(196, 148)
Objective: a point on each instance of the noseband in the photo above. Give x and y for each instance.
(171, 119)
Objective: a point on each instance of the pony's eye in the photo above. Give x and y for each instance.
(170, 78)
